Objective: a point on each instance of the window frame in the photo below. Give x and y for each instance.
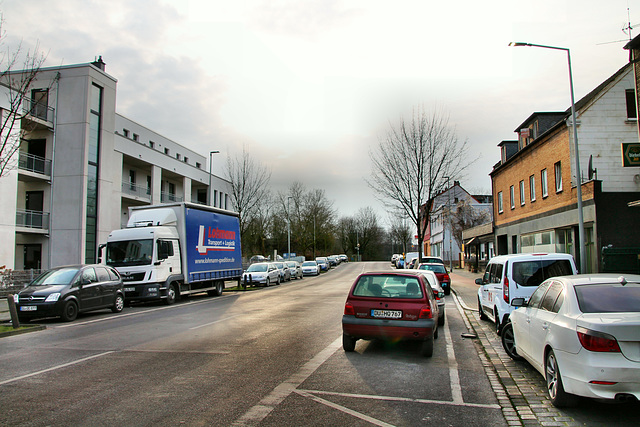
(522, 196)
(500, 210)
(544, 183)
(512, 197)
(532, 187)
(557, 169)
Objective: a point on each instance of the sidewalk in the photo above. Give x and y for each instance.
(4, 311)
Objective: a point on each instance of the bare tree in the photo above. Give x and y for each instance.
(400, 233)
(412, 162)
(466, 216)
(14, 85)
(249, 189)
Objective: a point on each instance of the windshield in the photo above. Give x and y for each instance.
(608, 298)
(291, 264)
(383, 286)
(62, 276)
(309, 264)
(436, 268)
(258, 268)
(130, 252)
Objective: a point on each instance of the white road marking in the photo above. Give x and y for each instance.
(268, 403)
(456, 389)
(399, 399)
(53, 368)
(213, 323)
(351, 412)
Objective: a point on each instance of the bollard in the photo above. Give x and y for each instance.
(12, 310)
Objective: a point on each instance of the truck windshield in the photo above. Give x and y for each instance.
(130, 252)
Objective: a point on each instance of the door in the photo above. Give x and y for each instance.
(541, 323)
(39, 103)
(107, 287)
(36, 148)
(522, 329)
(32, 256)
(34, 204)
(90, 293)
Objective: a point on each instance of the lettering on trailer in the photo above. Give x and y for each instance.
(214, 239)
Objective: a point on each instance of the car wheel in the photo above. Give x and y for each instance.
(509, 343)
(480, 312)
(69, 311)
(427, 347)
(558, 396)
(447, 290)
(441, 320)
(278, 281)
(348, 343)
(171, 295)
(267, 282)
(118, 304)
(498, 329)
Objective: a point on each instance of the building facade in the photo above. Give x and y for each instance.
(534, 184)
(81, 165)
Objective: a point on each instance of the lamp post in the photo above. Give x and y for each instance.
(449, 223)
(581, 237)
(288, 229)
(211, 153)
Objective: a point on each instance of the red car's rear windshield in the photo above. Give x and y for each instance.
(388, 286)
(436, 268)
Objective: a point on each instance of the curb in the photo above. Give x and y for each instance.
(23, 330)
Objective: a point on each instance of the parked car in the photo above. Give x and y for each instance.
(343, 258)
(438, 292)
(516, 276)
(412, 263)
(431, 260)
(285, 274)
(295, 269)
(323, 262)
(262, 273)
(400, 262)
(394, 258)
(310, 268)
(582, 333)
(257, 258)
(69, 290)
(333, 260)
(441, 272)
(391, 306)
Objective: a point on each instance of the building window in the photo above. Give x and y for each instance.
(166, 151)
(215, 198)
(126, 133)
(91, 218)
(136, 137)
(132, 180)
(178, 156)
(148, 184)
(532, 187)
(186, 159)
(632, 114)
(226, 201)
(152, 144)
(522, 193)
(512, 197)
(558, 172)
(198, 165)
(544, 182)
(500, 202)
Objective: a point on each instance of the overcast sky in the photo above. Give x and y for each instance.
(309, 87)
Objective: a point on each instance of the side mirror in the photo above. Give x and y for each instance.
(479, 282)
(518, 302)
(440, 295)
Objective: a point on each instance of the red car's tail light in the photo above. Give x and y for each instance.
(426, 313)
(349, 310)
(505, 290)
(597, 341)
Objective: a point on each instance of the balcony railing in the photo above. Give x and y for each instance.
(36, 164)
(32, 219)
(38, 110)
(168, 197)
(136, 190)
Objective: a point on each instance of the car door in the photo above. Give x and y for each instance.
(541, 324)
(90, 293)
(522, 321)
(491, 288)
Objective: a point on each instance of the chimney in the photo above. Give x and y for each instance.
(99, 63)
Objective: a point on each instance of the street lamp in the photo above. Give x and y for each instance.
(581, 243)
(211, 153)
(450, 226)
(288, 229)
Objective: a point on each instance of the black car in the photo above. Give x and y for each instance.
(69, 290)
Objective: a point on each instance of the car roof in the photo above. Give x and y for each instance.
(530, 256)
(599, 278)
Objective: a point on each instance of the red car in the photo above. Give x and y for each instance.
(392, 306)
(441, 273)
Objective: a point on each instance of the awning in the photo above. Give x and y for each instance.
(471, 241)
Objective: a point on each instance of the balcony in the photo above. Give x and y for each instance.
(136, 192)
(38, 113)
(169, 198)
(32, 221)
(35, 166)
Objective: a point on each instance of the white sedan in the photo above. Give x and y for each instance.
(582, 333)
(310, 268)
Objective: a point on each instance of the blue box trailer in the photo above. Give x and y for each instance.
(175, 249)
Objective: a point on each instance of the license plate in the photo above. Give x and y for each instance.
(387, 314)
(129, 289)
(28, 308)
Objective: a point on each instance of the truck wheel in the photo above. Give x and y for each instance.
(171, 295)
(219, 287)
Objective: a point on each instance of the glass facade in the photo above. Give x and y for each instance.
(92, 174)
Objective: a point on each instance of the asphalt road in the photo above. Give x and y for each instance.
(266, 357)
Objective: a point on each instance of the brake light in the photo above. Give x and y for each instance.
(426, 313)
(446, 278)
(349, 310)
(597, 341)
(505, 290)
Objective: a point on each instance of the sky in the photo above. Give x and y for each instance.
(309, 87)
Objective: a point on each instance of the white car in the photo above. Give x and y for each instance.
(295, 269)
(437, 290)
(582, 333)
(310, 268)
(262, 273)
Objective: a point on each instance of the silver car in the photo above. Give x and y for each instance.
(261, 273)
(295, 269)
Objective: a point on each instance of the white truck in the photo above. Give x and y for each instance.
(175, 249)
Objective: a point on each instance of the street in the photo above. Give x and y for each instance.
(268, 357)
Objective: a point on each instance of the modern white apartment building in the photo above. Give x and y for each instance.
(81, 165)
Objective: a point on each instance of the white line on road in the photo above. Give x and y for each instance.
(268, 403)
(64, 365)
(456, 389)
(213, 323)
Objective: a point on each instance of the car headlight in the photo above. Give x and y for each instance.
(16, 298)
(53, 297)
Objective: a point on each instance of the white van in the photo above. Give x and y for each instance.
(517, 276)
